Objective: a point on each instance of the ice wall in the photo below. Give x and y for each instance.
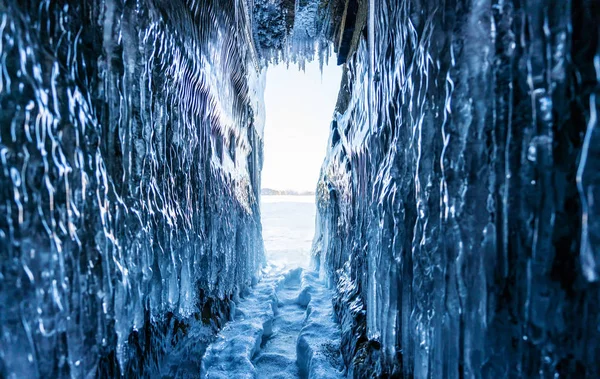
(458, 203)
(130, 155)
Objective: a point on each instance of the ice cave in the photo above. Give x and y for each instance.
(457, 218)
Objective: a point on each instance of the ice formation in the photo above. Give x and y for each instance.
(458, 203)
(130, 168)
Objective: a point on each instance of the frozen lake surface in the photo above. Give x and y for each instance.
(288, 229)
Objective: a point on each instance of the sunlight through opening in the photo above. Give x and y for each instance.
(299, 108)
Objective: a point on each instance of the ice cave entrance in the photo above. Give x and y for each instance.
(299, 107)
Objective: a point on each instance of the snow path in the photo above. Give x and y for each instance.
(285, 328)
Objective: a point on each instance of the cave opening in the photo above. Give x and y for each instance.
(299, 105)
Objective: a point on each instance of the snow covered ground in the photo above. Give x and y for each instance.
(284, 327)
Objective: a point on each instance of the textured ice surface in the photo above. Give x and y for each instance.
(458, 203)
(283, 328)
(130, 154)
(130, 159)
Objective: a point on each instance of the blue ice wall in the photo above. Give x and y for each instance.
(458, 204)
(130, 155)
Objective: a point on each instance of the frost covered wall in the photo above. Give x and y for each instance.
(458, 204)
(130, 155)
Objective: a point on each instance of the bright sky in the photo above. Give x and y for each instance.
(299, 110)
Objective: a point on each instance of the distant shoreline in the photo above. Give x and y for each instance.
(272, 192)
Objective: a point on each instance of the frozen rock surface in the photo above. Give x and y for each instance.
(130, 155)
(458, 203)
